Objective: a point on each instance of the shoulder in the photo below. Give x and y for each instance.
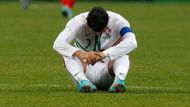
(117, 19)
(115, 16)
(78, 20)
(77, 24)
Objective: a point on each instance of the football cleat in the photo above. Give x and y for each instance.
(86, 86)
(118, 86)
(66, 12)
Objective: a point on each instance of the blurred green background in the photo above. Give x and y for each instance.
(32, 73)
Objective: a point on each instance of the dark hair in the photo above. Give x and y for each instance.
(97, 19)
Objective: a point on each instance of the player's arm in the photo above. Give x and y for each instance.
(127, 44)
(87, 57)
(62, 43)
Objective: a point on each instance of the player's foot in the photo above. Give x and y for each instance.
(118, 86)
(25, 4)
(66, 12)
(86, 86)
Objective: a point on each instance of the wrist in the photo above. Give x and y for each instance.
(77, 53)
(105, 54)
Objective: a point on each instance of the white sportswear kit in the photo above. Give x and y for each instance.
(116, 42)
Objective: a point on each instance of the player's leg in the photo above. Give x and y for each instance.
(25, 4)
(119, 68)
(75, 68)
(98, 74)
(66, 9)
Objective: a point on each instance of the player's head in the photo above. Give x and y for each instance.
(97, 19)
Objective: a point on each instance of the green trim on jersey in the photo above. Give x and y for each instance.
(77, 44)
(97, 45)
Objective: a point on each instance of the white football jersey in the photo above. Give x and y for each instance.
(109, 41)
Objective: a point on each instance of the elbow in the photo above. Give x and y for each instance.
(134, 42)
(55, 46)
(135, 45)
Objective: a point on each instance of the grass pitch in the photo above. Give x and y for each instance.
(32, 73)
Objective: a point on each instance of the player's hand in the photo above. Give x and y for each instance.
(95, 56)
(85, 57)
(99, 56)
(89, 57)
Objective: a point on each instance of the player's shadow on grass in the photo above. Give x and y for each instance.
(73, 89)
(157, 91)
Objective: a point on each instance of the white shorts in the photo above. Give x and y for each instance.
(99, 75)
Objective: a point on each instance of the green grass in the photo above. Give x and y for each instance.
(32, 73)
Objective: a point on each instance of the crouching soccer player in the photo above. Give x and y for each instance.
(99, 59)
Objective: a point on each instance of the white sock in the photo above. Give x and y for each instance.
(121, 67)
(80, 76)
(75, 68)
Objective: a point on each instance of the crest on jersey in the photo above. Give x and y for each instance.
(107, 33)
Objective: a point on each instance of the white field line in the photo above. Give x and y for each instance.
(157, 88)
(68, 86)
